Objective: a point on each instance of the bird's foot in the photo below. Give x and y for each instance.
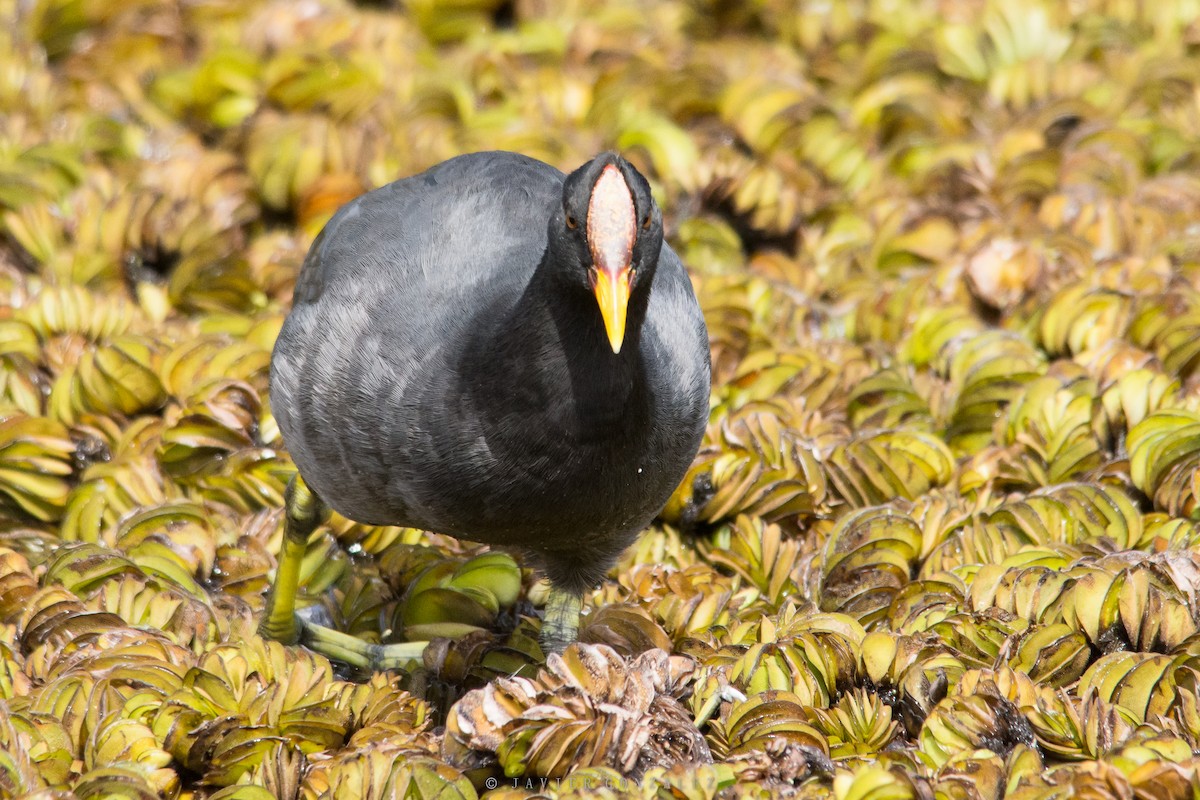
(351, 650)
(304, 512)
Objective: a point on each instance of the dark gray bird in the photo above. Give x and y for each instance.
(498, 352)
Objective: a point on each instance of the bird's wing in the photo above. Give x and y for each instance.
(678, 331)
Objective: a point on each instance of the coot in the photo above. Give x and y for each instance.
(494, 351)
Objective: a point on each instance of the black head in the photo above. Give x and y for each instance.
(607, 236)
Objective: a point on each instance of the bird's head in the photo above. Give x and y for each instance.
(609, 232)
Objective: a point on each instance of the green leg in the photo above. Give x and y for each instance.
(305, 512)
(560, 626)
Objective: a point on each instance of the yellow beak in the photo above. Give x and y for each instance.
(611, 232)
(612, 294)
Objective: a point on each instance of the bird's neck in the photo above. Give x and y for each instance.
(579, 327)
(552, 349)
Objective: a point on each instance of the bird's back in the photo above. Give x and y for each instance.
(380, 309)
